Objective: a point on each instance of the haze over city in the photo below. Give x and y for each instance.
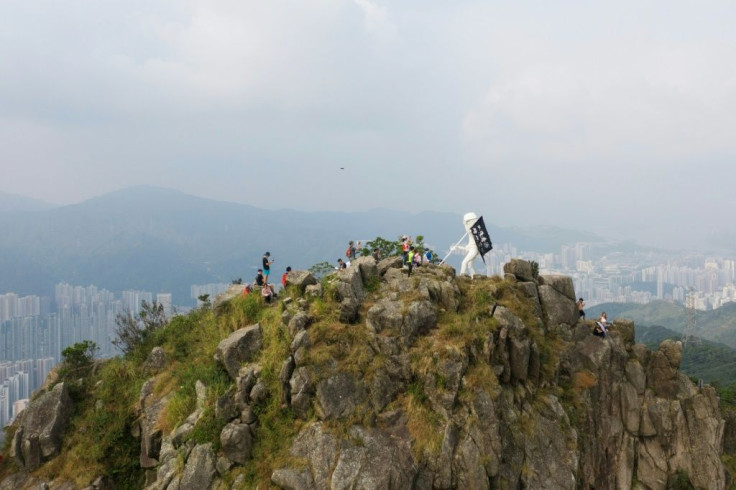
(615, 118)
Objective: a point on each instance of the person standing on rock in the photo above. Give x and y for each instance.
(267, 261)
(405, 246)
(581, 304)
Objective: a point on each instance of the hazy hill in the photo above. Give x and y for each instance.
(717, 325)
(164, 240)
(12, 203)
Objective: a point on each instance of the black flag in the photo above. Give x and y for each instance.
(482, 240)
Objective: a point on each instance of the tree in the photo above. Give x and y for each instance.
(321, 269)
(133, 331)
(76, 360)
(386, 248)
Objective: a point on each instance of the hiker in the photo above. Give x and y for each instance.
(341, 264)
(267, 261)
(267, 293)
(601, 326)
(410, 259)
(376, 254)
(285, 275)
(350, 251)
(259, 280)
(417, 259)
(405, 245)
(247, 290)
(427, 258)
(581, 304)
(359, 248)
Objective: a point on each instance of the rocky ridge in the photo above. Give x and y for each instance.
(434, 381)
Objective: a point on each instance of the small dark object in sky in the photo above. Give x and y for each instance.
(342, 168)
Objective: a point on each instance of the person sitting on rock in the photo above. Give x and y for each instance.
(247, 290)
(267, 293)
(341, 264)
(259, 280)
(601, 326)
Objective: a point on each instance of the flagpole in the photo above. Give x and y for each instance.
(454, 247)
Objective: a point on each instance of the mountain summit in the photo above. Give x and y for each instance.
(374, 378)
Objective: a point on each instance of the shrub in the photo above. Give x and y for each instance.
(77, 360)
(133, 331)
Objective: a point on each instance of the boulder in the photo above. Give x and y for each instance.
(662, 376)
(350, 284)
(319, 448)
(302, 392)
(300, 279)
(293, 479)
(298, 322)
(314, 290)
(240, 347)
(368, 268)
(521, 269)
(234, 291)
(156, 360)
(349, 310)
(152, 407)
(41, 429)
(199, 471)
(557, 306)
(561, 284)
(237, 442)
(388, 263)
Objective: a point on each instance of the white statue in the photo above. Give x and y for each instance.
(469, 220)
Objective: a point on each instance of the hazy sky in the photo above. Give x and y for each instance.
(616, 117)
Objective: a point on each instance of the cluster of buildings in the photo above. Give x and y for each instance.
(18, 380)
(602, 275)
(35, 330)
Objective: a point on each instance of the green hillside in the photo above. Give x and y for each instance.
(716, 325)
(706, 360)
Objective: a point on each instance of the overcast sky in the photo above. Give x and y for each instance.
(616, 117)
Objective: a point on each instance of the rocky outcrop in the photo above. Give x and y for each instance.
(300, 279)
(428, 382)
(622, 415)
(240, 347)
(42, 426)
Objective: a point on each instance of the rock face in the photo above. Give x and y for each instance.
(41, 429)
(622, 415)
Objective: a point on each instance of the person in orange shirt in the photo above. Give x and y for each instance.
(285, 274)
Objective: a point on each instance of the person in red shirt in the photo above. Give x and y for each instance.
(283, 277)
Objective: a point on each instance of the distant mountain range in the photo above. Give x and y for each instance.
(164, 240)
(716, 325)
(12, 203)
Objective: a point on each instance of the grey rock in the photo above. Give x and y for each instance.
(339, 395)
(299, 347)
(299, 322)
(561, 284)
(522, 269)
(237, 442)
(259, 393)
(388, 263)
(199, 471)
(293, 479)
(368, 268)
(234, 291)
(557, 307)
(314, 290)
(156, 360)
(377, 461)
(385, 314)
(300, 279)
(225, 407)
(320, 449)
(42, 427)
(349, 310)
(302, 392)
(240, 347)
(350, 284)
